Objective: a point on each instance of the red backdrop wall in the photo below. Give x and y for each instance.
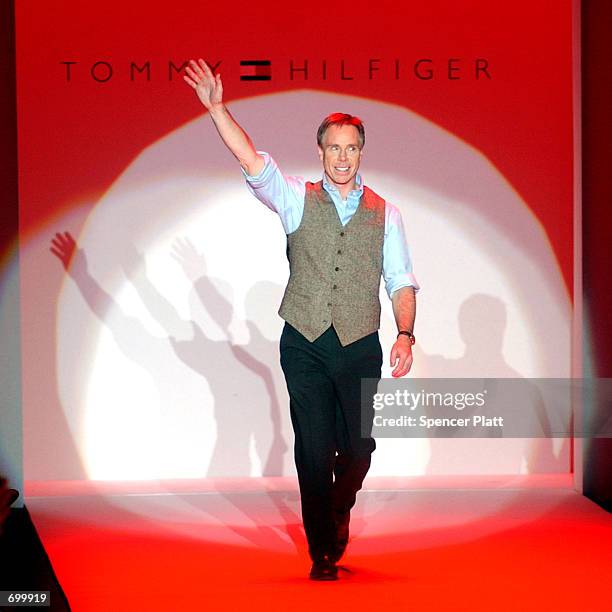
(77, 135)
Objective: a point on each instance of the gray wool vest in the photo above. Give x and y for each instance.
(334, 269)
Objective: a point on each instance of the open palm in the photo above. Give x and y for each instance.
(207, 86)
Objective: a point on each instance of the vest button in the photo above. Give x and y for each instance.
(342, 233)
(329, 303)
(339, 252)
(336, 268)
(335, 287)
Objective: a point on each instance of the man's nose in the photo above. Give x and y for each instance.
(343, 154)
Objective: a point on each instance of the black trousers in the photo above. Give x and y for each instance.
(331, 456)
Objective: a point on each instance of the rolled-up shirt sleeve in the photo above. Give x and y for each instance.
(282, 194)
(397, 261)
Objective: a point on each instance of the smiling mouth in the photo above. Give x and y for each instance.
(342, 169)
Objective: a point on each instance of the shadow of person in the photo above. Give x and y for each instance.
(261, 306)
(247, 409)
(482, 323)
(263, 413)
(179, 416)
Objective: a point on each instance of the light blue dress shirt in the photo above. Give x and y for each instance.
(285, 196)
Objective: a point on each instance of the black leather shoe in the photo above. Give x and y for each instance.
(324, 569)
(342, 535)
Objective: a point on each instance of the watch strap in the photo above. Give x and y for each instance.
(410, 335)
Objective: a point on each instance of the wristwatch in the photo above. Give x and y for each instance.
(407, 333)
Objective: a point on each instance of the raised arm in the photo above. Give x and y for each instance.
(209, 89)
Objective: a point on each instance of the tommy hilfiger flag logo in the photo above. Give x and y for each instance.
(255, 70)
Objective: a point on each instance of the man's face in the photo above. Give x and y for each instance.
(341, 154)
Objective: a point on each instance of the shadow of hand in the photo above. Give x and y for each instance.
(64, 247)
(192, 262)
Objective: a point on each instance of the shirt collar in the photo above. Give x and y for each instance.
(357, 192)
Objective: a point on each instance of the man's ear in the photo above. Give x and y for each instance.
(320, 153)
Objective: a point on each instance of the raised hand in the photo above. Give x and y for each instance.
(64, 247)
(210, 91)
(207, 86)
(192, 262)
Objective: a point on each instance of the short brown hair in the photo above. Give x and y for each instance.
(341, 119)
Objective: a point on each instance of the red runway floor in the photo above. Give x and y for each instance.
(441, 544)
